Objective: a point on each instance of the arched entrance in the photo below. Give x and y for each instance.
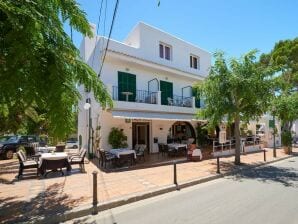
(181, 132)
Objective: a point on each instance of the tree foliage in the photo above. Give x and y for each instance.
(39, 65)
(284, 59)
(236, 90)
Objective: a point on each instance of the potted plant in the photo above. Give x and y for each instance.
(286, 139)
(117, 139)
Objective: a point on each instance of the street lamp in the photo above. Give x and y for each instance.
(87, 106)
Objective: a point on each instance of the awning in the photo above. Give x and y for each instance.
(152, 115)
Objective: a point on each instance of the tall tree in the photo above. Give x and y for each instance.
(284, 59)
(236, 90)
(39, 64)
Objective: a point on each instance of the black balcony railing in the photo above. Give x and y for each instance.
(139, 96)
(180, 101)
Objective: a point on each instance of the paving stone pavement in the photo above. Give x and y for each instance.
(31, 197)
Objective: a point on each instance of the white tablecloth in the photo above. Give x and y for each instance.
(118, 152)
(45, 149)
(55, 156)
(176, 146)
(197, 152)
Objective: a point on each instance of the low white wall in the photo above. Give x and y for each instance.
(250, 148)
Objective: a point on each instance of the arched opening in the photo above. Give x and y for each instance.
(182, 132)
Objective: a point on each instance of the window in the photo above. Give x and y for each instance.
(165, 51)
(194, 62)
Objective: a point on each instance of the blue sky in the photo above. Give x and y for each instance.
(234, 26)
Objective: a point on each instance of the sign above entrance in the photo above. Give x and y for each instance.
(140, 120)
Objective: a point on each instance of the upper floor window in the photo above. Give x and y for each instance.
(165, 51)
(194, 62)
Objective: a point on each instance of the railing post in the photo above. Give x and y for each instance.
(94, 210)
(264, 155)
(193, 102)
(175, 172)
(218, 168)
(159, 97)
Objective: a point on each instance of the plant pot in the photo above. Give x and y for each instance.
(287, 150)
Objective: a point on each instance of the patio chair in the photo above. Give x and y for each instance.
(140, 153)
(182, 151)
(163, 149)
(25, 164)
(125, 158)
(106, 157)
(60, 148)
(71, 154)
(170, 101)
(79, 159)
(172, 151)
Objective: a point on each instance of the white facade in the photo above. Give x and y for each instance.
(139, 54)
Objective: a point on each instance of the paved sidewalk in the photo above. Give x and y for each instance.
(32, 198)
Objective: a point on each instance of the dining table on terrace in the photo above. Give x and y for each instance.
(123, 151)
(53, 161)
(176, 146)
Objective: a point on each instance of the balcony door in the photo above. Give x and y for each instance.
(166, 89)
(126, 84)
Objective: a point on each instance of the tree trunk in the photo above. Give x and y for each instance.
(237, 137)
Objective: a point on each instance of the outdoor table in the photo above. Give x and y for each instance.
(53, 161)
(127, 94)
(176, 146)
(124, 155)
(46, 149)
(123, 151)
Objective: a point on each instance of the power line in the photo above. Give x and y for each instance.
(97, 28)
(111, 29)
(104, 30)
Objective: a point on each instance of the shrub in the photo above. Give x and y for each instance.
(117, 139)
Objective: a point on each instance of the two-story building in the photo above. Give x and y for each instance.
(150, 77)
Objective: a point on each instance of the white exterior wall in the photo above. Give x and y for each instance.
(295, 128)
(268, 135)
(139, 55)
(143, 75)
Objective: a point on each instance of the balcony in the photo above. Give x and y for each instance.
(144, 100)
(140, 96)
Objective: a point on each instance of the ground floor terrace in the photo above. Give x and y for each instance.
(150, 129)
(31, 197)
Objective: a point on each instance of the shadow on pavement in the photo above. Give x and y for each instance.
(287, 176)
(50, 202)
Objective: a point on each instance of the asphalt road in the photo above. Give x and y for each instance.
(267, 194)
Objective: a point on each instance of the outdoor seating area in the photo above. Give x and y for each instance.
(139, 157)
(47, 160)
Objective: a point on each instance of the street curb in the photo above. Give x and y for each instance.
(87, 210)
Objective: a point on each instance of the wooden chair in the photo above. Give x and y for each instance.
(60, 148)
(106, 157)
(25, 164)
(79, 159)
(126, 159)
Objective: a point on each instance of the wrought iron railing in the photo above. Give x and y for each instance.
(180, 101)
(139, 96)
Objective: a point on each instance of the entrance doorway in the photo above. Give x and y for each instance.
(140, 134)
(182, 131)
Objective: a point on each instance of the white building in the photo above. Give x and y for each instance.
(149, 76)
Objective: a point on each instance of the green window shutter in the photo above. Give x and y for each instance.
(126, 83)
(197, 97)
(166, 89)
